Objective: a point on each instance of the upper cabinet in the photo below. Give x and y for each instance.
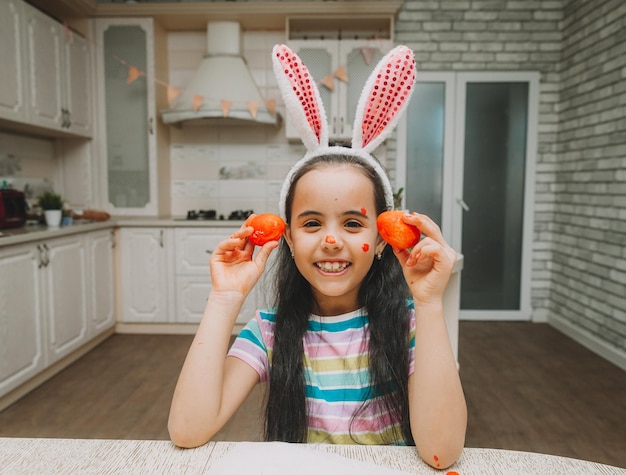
(340, 69)
(58, 76)
(46, 82)
(134, 156)
(12, 94)
(340, 53)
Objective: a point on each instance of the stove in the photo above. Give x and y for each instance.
(211, 214)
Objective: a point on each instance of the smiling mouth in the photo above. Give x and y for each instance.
(332, 267)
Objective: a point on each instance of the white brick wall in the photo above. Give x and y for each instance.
(579, 249)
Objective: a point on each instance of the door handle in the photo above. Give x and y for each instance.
(462, 204)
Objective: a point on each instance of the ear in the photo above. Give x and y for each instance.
(287, 238)
(301, 96)
(384, 98)
(380, 245)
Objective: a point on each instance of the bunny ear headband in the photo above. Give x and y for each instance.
(383, 99)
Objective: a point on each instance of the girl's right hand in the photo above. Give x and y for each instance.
(234, 268)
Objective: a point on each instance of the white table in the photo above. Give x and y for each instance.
(92, 456)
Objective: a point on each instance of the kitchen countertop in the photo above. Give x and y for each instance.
(38, 232)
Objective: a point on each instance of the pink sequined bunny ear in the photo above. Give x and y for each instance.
(301, 96)
(384, 98)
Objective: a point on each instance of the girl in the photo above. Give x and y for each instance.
(356, 349)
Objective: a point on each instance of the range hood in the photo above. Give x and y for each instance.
(222, 77)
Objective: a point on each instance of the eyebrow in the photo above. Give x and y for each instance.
(311, 212)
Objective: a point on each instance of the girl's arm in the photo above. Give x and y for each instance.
(438, 412)
(211, 387)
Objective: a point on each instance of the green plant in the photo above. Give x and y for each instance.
(397, 198)
(50, 200)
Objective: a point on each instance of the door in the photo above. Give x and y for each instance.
(466, 158)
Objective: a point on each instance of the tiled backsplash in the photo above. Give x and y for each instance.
(28, 164)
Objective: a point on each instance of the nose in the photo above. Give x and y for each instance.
(330, 242)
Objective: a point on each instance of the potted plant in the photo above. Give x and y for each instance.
(52, 205)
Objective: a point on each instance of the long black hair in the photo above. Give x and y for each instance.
(383, 293)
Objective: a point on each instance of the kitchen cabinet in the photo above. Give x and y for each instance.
(100, 246)
(193, 247)
(146, 274)
(12, 51)
(132, 143)
(325, 58)
(59, 81)
(21, 332)
(64, 296)
(55, 295)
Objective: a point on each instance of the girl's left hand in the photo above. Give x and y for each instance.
(428, 266)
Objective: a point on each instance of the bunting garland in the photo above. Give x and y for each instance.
(173, 92)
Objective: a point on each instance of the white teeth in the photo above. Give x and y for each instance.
(332, 266)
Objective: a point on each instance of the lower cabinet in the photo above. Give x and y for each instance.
(64, 296)
(48, 292)
(165, 276)
(145, 274)
(193, 248)
(21, 323)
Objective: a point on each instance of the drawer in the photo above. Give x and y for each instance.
(193, 247)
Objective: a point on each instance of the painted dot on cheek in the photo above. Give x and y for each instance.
(366, 247)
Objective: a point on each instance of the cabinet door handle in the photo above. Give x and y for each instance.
(150, 125)
(334, 125)
(341, 126)
(112, 239)
(209, 251)
(161, 238)
(46, 255)
(40, 250)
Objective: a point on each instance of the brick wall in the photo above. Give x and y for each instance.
(588, 179)
(579, 267)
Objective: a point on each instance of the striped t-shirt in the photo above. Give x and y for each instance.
(336, 374)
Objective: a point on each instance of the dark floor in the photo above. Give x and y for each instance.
(527, 386)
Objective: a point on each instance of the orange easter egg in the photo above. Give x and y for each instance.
(267, 227)
(395, 231)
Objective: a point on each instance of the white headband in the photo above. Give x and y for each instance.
(383, 99)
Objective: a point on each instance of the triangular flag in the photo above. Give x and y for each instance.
(69, 37)
(328, 82)
(226, 107)
(133, 74)
(367, 53)
(197, 102)
(253, 107)
(172, 92)
(271, 106)
(340, 74)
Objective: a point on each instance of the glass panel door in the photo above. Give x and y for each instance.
(127, 117)
(466, 157)
(494, 174)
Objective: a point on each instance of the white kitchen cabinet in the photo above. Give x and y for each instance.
(59, 82)
(12, 53)
(46, 288)
(102, 280)
(21, 333)
(193, 247)
(146, 274)
(323, 59)
(65, 295)
(134, 155)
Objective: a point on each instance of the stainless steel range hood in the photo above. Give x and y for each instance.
(221, 76)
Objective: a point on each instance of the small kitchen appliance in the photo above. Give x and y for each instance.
(12, 208)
